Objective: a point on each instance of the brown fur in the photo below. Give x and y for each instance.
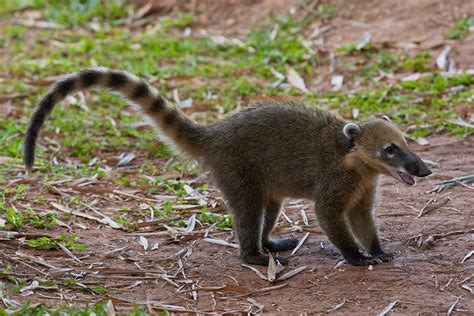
(262, 155)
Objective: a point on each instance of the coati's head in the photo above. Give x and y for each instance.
(381, 147)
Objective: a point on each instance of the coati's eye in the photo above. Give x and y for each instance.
(390, 149)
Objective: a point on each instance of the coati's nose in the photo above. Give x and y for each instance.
(424, 172)
(417, 168)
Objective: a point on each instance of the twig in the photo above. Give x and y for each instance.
(105, 218)
(221, 242)
(452, 233)
(28, 265)
(432, 205)
(440, 186)
(84, 215)
(70, 254)
(451, 309)
(469, 255)
(300, 244)
(208, 289)
(136, 196)
(428, 241)
(444, 235)
(262, 290)
(158, 221)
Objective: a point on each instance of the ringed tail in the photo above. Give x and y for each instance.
(186, 135)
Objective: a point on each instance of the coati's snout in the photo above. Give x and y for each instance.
(382, 146)
(404, 164)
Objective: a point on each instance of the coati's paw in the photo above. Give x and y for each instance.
(280, 245)
(263, 260)
(361, 260)
(384, 256)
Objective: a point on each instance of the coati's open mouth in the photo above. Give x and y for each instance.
(404, 178)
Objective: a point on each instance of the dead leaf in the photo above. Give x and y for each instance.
(291, 273)
(144, 10)
(336, 82)
(144, 242)
(191, 224)
(109, 308)
(337, 306)
(469, 255)
(300, 244)
(257, 304)
(468, 288)
(125, 159)
(366, 38)
(221, 242)
(355, 113)
(442, 61)
(7, 97)
(40, 24)
(185, 104)
(422, 141)
(28, 290)
(389, 307)
(412, 77)
(274, 267)
(461, 123)
(260, 274)
(294, 79)
(305, 218)
(4, 160)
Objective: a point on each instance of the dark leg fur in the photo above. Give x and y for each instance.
(272, 211)
(248, 221)
(364, 229)
(338, 233)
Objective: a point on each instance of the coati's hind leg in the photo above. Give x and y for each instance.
(364, 228)
(247, 205)
(333, 223)
(272, 211)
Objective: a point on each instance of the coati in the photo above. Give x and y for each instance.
(262, 155)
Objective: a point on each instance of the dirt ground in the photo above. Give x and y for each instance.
(427, 277)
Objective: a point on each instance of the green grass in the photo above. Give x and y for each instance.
(77, 12)
(48, 243)
(460, 29)
(99, 309)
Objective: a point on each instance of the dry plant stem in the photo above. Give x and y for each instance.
(262, 290)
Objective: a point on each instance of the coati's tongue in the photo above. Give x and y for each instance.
(406, 178)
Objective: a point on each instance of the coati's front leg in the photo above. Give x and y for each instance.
(272, 211)
(364, 228)
(332, 221)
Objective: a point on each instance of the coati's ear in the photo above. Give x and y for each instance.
(351, 130)
(386, 118)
